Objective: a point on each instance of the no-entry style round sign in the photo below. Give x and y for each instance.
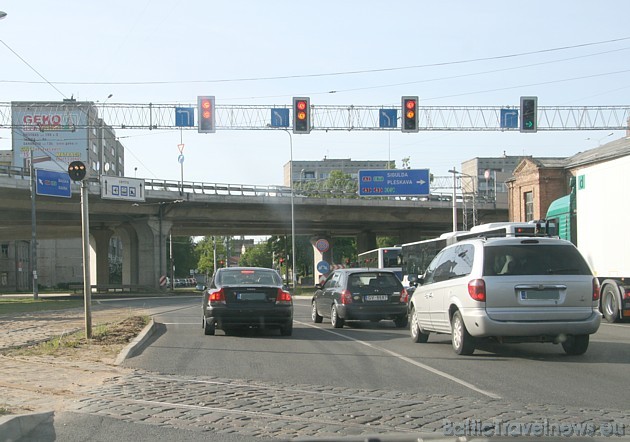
(322, 245)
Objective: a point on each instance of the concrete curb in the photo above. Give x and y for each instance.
(133, 348)
(15, 427)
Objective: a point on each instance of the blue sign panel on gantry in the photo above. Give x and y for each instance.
(509, 118)
(184, 117)
(53, 183)
(387, 118)
(394, 182)
(280, 117)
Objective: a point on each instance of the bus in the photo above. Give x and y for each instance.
(416, 256)
(382, 258)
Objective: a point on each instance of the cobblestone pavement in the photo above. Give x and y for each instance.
(244, 407)
(287, 411)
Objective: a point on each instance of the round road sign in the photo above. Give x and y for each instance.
(323, 267)
(322, 245)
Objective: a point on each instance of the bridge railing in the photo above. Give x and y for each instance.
(14, 171)
(217, 188)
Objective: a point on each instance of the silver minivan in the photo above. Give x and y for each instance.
(510, 290)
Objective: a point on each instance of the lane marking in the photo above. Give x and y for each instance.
(408, 360)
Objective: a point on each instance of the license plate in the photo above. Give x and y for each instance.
(539, 294)
(251, 297)
(375, 297)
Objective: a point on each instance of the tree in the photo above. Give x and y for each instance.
(257, 256)
(205, 250)
(185, 256)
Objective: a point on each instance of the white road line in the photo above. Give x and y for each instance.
(409, 360)
(608, 324)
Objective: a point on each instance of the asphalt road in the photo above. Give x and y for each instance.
(379, 356)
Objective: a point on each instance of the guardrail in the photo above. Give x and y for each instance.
(216, 188)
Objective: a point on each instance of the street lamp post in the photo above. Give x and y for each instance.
(293, 280)
(454, 172)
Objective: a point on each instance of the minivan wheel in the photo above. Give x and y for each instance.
(576, 344)
(316, 317)
(335, 320)
(463, 343)
(417, 335)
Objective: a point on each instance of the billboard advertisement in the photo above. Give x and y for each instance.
(56, 133)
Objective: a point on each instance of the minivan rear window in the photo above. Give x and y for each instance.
(533, 259)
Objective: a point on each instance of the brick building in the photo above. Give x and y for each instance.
(537, 182)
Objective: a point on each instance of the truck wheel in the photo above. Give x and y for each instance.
(576, 344)
(610, 302)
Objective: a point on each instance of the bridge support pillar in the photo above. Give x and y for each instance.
(366, 241)
(413, 235)
(101, 238)
(322, 252)
(152, 260)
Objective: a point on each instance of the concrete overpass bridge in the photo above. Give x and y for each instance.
(204, 209)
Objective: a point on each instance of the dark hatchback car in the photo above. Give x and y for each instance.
(360, 294)
(247, 297)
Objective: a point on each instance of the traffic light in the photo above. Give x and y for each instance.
(77, 171)
(206, 111)
(410, 114)
(529, 111)
(301, 115)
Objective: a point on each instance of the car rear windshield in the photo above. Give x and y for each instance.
(533, 259)
(249, 277)
(381, 281)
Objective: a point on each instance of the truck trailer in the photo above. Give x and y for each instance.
(594, 217)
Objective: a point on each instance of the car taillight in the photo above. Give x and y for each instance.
(477, 290)
(626, 295)
(346, 297)
(216, 297)
(283, 297)
(595, 289)
(404, 296)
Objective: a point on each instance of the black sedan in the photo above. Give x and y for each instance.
(360, 294)
(247, 297)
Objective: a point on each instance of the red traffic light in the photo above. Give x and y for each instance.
(77, 171)
(301, 115)
(410, 114)
(206, 112)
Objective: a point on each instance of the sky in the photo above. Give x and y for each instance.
(89, 50)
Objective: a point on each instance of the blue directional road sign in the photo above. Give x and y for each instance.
(388, 118)
(509, 118)
(184, 117)
(394, 182)
(280, 117)
(53, 183)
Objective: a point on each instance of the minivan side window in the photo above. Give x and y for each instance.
(429, 275)
(453, 262)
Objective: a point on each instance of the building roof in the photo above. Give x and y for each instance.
(549, 162)
(614, 149)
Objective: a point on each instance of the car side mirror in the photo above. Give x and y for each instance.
(318, 286)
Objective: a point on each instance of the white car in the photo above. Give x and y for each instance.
(508, 289)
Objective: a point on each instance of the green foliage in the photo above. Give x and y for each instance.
(185, 256)
(257, 256)
(386, 241)
(205, 253)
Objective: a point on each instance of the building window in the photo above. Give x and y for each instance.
(529, 206)
(4, 251)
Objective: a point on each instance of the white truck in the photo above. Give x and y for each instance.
(595, 217)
